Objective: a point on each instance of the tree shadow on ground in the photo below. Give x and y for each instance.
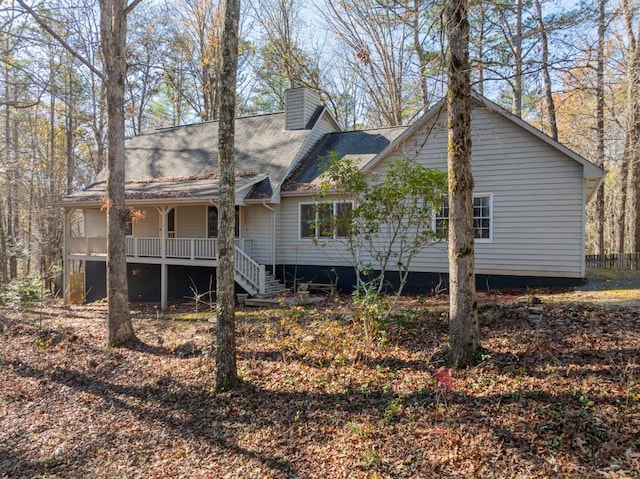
(221, 420)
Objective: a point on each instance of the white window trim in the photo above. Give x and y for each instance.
(316, 203)
(491, 219)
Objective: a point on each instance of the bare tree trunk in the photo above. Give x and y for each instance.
(70, 135)
(464, 332)
(622, 221)
(113, 23)
(633, 161)
(226, 371)
(481, 48)
(551, 108)
(600, 219)
(10, 182)
(4, 272)
(12, 198)
(632, 150)
(517, 81)
(423, 61)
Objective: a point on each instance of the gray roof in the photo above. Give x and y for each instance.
(360, 146)
(182, 161)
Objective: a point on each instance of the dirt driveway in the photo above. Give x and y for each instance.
(608, 287)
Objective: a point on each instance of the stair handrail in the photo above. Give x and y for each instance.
(250, 270)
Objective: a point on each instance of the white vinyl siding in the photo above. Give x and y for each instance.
(256, 225)
(301, 104)
(536, 213)
(95, 223)
(149, 227)
(537, 204)
(193, 221)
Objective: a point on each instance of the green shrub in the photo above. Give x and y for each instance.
(22, 291)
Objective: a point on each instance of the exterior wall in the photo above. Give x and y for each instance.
(191, 221)
(538, 200)
(149, 227)
(537, 214)
(256, 225)
(300, 104)
(291, 249)
(95, 223)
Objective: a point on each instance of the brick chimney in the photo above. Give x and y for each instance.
(300, 106)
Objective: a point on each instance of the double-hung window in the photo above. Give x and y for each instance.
(325, 220)
(482, 217)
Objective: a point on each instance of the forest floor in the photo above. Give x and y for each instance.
(555, 395)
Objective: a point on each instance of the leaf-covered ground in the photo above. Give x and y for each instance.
(555, 395)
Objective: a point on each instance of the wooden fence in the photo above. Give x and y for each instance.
(627, 261)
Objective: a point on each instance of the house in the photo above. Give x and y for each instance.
(529, 201)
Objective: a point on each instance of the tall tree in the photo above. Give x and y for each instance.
(518, 60)
(113, 28)
(544, 67)
(599, 213)
(282, 62)
(464, 332)
(378, 52)
(226, 370)
(632, 146)
(146, 47)
(193, 69)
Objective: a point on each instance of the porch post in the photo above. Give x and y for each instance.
(65, 257)
(163, 286)
(164, 211)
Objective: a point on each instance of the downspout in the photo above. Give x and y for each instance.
(273, 236)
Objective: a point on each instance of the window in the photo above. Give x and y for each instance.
(171, 223)
(482, 206)
(129, 226)
(325, 220)
(482, 217)
(212, 222)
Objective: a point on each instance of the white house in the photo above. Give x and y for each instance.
(529, 201)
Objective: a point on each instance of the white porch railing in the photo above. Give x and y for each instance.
(184, 248)
(249, 270)
(87, 245)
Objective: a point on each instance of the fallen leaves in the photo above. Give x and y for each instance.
(558, 397)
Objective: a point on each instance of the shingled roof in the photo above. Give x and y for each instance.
(360, 146)
(182, 161)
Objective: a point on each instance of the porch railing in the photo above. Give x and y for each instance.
(249, 270)
(184, 248)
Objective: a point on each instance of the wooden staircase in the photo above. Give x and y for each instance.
(253, 277)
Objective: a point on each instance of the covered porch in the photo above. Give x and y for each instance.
(192, 249)
(175, 235)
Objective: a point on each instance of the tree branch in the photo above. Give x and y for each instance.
(61, 40)
(131, 6)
